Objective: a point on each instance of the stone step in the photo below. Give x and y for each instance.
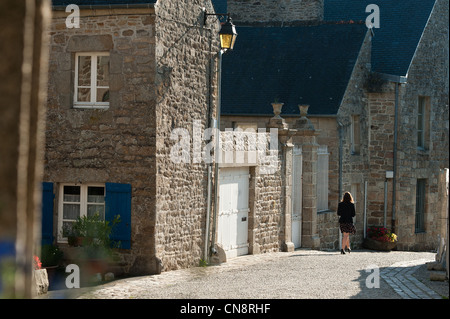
(436, 275)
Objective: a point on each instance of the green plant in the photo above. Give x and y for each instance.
(203, 263)
(51, 255)
(94, 231)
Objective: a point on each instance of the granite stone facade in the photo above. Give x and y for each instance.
(163, 68)
(162, 76)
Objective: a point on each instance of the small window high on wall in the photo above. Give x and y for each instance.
(355, 134)
(420, 205)
(91, 80)
(423, 122)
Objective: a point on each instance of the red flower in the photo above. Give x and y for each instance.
(37, 263)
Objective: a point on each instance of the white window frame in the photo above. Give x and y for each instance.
(421, 123)
(355, 130)
(93, 87)
(83, 205)
(322, 178)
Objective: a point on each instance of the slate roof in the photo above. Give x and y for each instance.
(401, 26)
(220, 6)
(100, 2)
(296, 65)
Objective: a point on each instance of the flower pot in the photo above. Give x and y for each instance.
(277, 109)
(75, 241)
(303, 109)
(379, 245)
(51, 273)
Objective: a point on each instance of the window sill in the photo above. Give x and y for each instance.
(423, 151)
(326, 211)
(91, 106)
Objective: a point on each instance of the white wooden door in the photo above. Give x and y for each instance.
(296, 225)
(233, 211)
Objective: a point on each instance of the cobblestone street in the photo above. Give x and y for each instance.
(302, 274)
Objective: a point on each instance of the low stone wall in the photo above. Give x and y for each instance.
(40, 281)
(328, 229)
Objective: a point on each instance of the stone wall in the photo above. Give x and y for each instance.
(268, 208)
(186, 71)
(427, 76)
(266, 201)
(116, 144)
(328, 228)
(428, 68)
(381, 153)
(326, 135)
(283, 11)
(163, 75)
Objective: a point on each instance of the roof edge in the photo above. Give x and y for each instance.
(369, 35)
(392, 78)
(108, 6)
(421, 36)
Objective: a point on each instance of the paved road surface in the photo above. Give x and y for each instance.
(303, 274)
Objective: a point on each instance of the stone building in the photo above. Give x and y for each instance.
(133, 91)
(119, 84)
(378, 102)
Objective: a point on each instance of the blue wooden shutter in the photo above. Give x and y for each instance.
(118, 202)
(47, 213)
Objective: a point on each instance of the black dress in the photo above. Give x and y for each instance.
(346, 211)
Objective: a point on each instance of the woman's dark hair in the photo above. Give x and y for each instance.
(347, 198)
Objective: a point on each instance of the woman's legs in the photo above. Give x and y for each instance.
(345, 240)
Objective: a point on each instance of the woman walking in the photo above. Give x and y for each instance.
(346, 211)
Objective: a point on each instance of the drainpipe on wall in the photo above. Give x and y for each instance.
(385, 203)
(365, 209)
(216, 154)
(341, 127)
(341, 136)
(211, 123)
(394, 181)
(208, 216)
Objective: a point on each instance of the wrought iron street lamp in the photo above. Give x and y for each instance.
(227, 33)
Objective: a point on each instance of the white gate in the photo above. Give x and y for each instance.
(233, 211)
(296, 225)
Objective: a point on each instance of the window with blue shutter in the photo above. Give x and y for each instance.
(118, 202)
(47, 213)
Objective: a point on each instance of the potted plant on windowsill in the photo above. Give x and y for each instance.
(75, 233)
(380, 238)
(94, 246)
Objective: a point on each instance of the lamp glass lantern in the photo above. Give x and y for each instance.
(227, 35)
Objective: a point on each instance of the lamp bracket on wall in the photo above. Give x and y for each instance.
(223, 17)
